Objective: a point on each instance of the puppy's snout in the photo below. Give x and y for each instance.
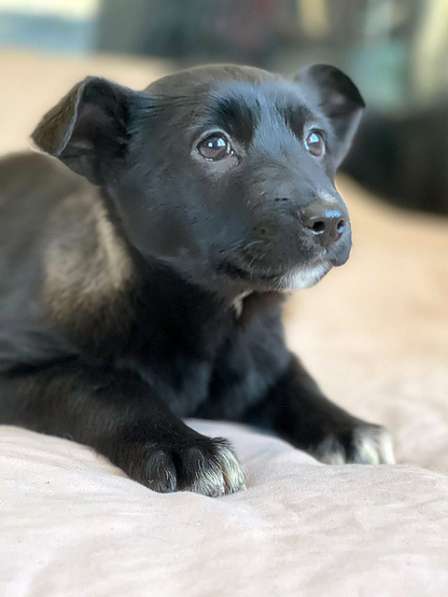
(326, 223)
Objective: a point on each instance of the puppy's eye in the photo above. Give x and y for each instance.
(315, 143)
(215, 147)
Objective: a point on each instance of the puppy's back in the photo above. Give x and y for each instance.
(60, 260)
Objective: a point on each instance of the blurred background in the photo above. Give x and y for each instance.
(396, 51)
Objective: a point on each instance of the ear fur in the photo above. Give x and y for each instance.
(88, 127)
(340, 100)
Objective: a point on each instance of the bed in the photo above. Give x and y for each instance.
(374, 333)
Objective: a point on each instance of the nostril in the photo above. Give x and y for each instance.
(281, 199)
(318, 227)
(340, 226)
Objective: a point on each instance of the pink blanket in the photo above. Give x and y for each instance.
(72, 525)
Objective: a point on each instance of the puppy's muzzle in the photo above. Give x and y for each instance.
(330, 226)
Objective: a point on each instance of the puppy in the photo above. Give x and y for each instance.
(141, 280)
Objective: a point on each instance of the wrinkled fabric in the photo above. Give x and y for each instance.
(71, 525)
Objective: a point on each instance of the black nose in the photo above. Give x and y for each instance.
(327, 224)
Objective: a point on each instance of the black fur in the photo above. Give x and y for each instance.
(155, 293)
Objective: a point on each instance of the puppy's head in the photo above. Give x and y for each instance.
(224, 172)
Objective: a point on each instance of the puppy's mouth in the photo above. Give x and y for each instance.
(282, 279)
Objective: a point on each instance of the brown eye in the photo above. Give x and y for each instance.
(215, 147)
(315, 144)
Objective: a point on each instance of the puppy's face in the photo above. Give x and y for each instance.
(224, 172)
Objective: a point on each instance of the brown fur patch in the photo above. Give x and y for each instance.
(86, 264)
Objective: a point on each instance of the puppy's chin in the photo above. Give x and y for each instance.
(303, 277)
(296, 278)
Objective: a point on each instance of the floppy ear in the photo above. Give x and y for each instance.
(88, 128)
(340, 100)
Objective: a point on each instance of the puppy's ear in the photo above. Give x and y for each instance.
(88, 128)
(340, 100)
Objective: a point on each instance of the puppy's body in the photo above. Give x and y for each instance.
(71, 261)
(139, 299)
(32, 186)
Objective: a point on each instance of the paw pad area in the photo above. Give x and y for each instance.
(209, 467)
(364, 444)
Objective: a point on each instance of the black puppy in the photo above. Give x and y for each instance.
(154, 291)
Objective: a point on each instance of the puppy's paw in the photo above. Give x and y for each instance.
(208, 466)
(363, 444)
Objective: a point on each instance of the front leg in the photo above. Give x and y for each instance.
(296, 410)
(118, 415)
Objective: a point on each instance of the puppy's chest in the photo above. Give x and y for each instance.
(233, 371)
(189, 385)
(180, 377)
(185, 385)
